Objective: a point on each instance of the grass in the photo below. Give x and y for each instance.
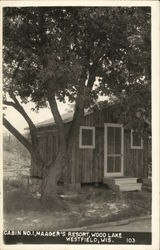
(92, 205)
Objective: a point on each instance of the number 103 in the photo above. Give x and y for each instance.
(130, 240)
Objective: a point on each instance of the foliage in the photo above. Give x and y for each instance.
(133, 109)
(67, 48)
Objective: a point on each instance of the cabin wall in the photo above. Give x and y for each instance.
(48, 149)
(87, 165)
(135, 160)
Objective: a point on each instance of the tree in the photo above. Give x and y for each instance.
(56, 53)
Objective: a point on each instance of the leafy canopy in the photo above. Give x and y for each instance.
(70, 50)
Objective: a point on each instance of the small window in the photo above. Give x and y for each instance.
(136, 141)
(87, 137)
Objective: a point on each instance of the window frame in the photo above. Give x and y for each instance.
(135, 147)
(93, 137)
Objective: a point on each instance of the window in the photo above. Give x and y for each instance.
(136, 141)
(87, 137)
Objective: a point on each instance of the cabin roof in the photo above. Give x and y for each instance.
(67, 117)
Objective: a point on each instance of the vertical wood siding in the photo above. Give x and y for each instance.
(135, 160)
(48, 148)
(87, 165)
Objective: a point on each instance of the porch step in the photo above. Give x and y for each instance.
(130, 187)
(125, 180)
(123, 183)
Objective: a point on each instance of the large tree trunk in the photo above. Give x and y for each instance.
(71, 138)
(63, 161)
(61, 165)
(52, 175)
(55, 169)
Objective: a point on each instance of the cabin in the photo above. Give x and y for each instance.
(104, 151)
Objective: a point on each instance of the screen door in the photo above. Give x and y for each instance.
(113, 149)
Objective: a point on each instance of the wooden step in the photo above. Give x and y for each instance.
(119, 180)
(125, 180)
(123, 183)
(130, 187)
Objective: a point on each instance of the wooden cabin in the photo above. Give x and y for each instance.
(104, 151)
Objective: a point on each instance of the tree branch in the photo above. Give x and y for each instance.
(17, 106)
(12, 104)
(58, 119)
(20, 109)
(54, 108)
(78, 114)
(17, 134)
(92, 77)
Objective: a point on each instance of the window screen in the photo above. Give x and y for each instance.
(114, 140)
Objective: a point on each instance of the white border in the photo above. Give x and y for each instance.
(135, 147)
(80, 136)
(155, 35)
(112, 125)
(78, 3)
(155, 5)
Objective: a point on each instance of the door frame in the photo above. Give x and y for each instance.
(106, 125)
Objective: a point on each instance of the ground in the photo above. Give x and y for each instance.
(23, 209)
(137, 224)
(142, 225)
(92, 205)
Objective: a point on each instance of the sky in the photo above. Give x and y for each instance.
(18, 121)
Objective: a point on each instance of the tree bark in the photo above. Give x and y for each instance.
(54, 170)
(53, 173)
(66, 142)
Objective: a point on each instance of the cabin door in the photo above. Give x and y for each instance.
(113, 149)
